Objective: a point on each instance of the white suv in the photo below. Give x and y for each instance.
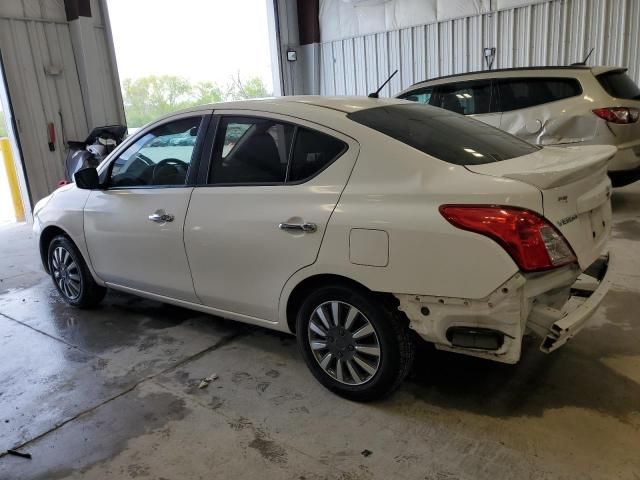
(549, 106)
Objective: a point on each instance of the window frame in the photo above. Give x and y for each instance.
(105, 169)
(500, 80)
(212, 145)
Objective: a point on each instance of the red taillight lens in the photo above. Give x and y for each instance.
(533, 243)
(618, 114)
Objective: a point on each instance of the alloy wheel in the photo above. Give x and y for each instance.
(66, 273)
(344, 342)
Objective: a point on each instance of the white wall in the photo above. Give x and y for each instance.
(557, 32)
(43, 77)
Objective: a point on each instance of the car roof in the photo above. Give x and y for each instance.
(279, 104)
(597, 70)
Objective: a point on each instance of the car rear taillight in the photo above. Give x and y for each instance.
(618, 114)
(533, 242)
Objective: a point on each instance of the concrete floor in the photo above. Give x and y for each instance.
(112, 393)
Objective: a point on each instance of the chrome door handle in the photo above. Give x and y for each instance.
(161, 217)
(299, 227)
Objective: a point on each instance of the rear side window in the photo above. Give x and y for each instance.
(520, 93)
(467, 98)
(619, 85)
(444, 135)
(312, 152)
(262, 151)
(251, 150)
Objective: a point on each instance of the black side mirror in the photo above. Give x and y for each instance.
(87, 179)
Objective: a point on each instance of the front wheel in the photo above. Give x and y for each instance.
(71, 276)
(353, 343)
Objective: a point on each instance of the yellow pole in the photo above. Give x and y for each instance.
(12, 176)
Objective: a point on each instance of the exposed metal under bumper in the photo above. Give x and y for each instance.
(562, 325)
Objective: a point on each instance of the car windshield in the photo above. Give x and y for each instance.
(445, 135)
(619, 85)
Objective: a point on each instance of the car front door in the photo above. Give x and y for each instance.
(272, 185)
(134, 227)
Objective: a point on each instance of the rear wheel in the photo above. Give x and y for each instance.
(71, 276)
(353, 343)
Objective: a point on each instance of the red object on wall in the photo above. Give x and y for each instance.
(51, 135)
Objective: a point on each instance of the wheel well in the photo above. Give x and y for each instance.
(299, 293)
(46, 236)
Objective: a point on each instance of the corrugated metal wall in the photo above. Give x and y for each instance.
(42, 75)
(557, 32)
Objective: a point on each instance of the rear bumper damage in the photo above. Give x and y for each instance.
(553, 305)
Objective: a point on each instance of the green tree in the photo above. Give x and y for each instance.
(3, 126)
(148, 98)
(253, 87)
(207, 92)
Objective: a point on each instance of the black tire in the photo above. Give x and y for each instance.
(391, 337)
(71, 276)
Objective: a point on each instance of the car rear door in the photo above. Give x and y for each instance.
(532, 109)
(270, 189)
(134, 227)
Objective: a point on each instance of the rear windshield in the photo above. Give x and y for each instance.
(619, 85)
(443, 134)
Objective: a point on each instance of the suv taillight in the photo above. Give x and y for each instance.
(533, 242)
(618, 114)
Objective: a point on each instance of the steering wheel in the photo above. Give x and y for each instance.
(178, 165)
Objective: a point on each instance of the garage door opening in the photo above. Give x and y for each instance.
(13, 199)
(195, 53)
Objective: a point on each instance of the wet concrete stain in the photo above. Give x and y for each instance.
(240, 377)
(262, 387)
(269, 449)
(240, 423)
(155, 409)
(216, 402)
(627, 229)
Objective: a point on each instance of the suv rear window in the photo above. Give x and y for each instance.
(520, 93)
(619, 85)
(445, 135)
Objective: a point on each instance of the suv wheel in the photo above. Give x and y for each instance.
(353, 343)
(71, 275)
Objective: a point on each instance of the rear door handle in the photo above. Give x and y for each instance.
(299, 227)
(161, 217)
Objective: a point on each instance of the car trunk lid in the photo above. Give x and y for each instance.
(575, 192)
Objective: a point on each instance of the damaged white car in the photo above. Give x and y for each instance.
(573, 105)
(349, 222)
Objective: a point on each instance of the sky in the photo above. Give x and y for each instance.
(197, 39)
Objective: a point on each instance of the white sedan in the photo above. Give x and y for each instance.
(350, 222)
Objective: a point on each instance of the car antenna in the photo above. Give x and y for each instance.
(376, 94)
(584, 62)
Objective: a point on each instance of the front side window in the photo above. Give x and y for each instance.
(442, 134)
(467, 98)
(520, 93)
(251, 150)
(421, 95)
(160, 157)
